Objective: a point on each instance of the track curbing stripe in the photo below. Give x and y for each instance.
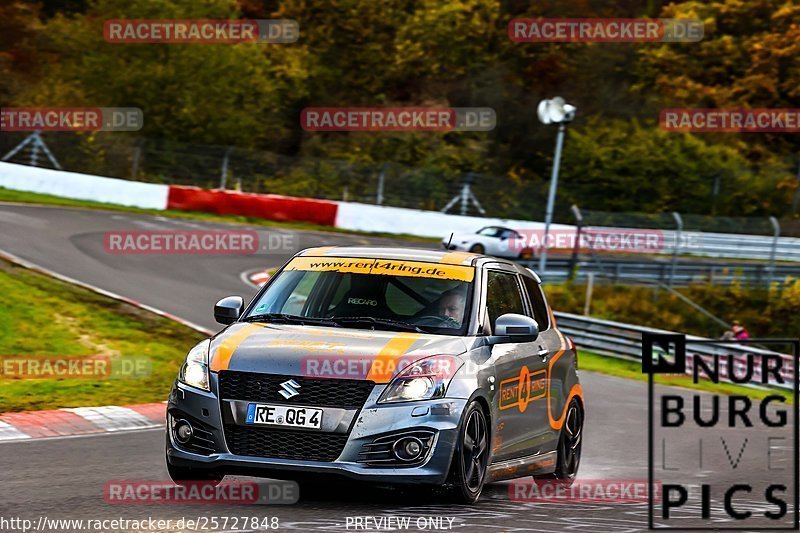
(9, 433)
(113, 418)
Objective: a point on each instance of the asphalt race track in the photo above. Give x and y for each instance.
(65, 477)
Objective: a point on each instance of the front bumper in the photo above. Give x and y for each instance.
(441, 416)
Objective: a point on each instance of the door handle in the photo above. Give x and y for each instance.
(542, 353)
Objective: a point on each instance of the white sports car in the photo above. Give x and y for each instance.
(491, 240)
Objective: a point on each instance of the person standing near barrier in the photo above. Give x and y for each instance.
(739, 332)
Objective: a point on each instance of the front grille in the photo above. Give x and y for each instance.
(284, 444)
(252, 386)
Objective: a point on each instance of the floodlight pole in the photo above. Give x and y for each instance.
(551, 197)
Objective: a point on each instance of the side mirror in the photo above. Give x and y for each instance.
(514, 328)
(228, 310)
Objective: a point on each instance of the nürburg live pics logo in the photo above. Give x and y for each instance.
(726, 453)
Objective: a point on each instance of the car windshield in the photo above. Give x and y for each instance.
(369, 294)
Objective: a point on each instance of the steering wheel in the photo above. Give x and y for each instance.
(442, 321)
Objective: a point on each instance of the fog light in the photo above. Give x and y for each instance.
(183, 431)
(408, 448)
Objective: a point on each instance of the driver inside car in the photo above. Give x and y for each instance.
(451, 305)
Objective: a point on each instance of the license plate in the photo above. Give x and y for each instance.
(283, 415)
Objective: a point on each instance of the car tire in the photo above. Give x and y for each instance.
(477, 249)
(570, 443)
(470, 461)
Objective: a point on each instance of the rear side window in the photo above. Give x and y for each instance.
(502, 295)
(536, 297)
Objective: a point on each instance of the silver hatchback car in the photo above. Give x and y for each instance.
(382, 364)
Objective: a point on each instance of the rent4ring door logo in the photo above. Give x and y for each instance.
(520, 390)
(724, 461)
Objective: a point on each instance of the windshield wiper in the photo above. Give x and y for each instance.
(372, 321)
(290, 319)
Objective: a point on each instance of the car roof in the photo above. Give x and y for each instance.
(497, 227)
(425, 255)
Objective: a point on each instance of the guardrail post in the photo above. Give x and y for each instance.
(587, 304)
(137, 155)
(676, 246)
(573, 262)
(381, 177)
(777, 234)
(223, 179)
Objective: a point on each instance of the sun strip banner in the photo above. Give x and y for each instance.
(382, 267)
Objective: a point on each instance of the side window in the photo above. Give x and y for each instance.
(540, 313)
(502, 295)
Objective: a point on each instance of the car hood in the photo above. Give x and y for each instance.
(325, 352)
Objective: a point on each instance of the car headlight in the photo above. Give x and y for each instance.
(194, 371)
(426, 379)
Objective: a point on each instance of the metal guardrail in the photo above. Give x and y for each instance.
(685, 273)
(624, 341)
(738, 240)
(758, 247)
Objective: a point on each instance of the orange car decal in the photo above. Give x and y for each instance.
(319, 250)
(222, 356)
(456, 258)
(574, 391)
(385, 363)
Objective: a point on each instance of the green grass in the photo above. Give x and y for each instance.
(42, 317)
(8, 195)
(633, 370)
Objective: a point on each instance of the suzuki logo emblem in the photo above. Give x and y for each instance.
(289, 389)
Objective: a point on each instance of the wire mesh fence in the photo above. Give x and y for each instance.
(214, 166)
(386, 183)
(787, 227)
